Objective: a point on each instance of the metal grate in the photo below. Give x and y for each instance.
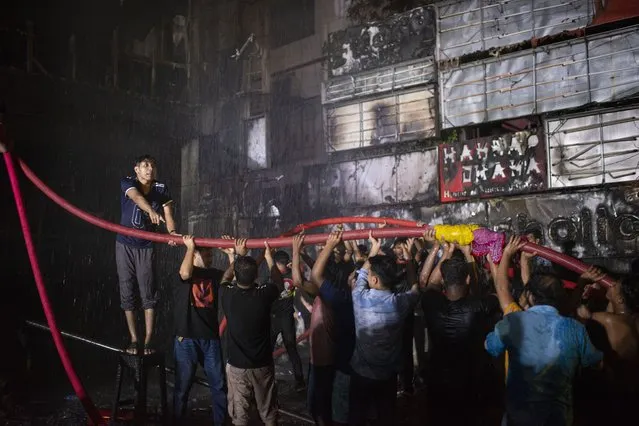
(393, 118)
(380, 81)
(594, 149)
(467, 26)
(560, 76)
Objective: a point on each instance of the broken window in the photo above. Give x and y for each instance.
(256, 143)
(398, 117)
(252, 71)
(296, 129)
(594, 149)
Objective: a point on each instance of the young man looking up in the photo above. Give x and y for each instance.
(282, 318)
(380, 313)
(250, 369)
(143, 200)
(197, 339)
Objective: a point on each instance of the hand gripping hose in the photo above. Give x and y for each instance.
(407, 229)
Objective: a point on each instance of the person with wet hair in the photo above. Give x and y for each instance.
(403, 256)
(332, 337)
(283, 317)
(380, 312)
(622, 352)
(146, 203)
(197, 338)
(250, 369)
(456, 324)
(546, 350)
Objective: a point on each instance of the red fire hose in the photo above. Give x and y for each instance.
(208, 242)
(76, 383)
(407, 229)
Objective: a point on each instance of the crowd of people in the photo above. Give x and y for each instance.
(510, 329)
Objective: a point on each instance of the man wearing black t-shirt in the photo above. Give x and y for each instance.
(197, 339)
(456, 326)
(250, 369)
(145, 203)
(282, 320)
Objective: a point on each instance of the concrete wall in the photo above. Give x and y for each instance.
(395, 179)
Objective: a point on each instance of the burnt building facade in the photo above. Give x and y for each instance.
(265, 114)
(512, 115)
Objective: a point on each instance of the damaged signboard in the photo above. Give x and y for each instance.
(513, 163)
(401, 38)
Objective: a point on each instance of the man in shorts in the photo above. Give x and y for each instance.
(145, 203)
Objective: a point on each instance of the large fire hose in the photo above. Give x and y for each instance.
(76, 383)
(407, 229)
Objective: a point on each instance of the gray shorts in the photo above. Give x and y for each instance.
(135, 268)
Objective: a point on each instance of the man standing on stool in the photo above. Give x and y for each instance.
(143, 199)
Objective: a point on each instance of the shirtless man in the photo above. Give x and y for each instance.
(622, 329)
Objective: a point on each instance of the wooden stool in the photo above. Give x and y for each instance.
(137, 368)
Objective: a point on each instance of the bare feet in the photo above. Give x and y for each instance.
(132, 349)
(148, 350)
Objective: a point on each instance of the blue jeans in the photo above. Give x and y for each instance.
(208, 353)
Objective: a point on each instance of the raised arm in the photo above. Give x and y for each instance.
(186, 268)
(502, 283)
(276, 275)
(525, 263)
(298, 279)
(429, 264)
(474, 273)
(307, 259)
(436, 280)
(376, 246)
(240, 250)
(419, 249)
(317, 273)
(411, 271)
(348, 255)
(591, 276)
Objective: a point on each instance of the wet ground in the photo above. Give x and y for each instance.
(48, 399)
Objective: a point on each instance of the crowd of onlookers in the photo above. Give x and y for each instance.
(486, 343)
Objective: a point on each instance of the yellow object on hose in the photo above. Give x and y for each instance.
(460, 234)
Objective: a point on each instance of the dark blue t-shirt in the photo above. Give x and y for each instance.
(133, 216)
(340, 300)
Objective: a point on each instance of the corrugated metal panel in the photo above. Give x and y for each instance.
(467, 26)
(399, 117)
(594, 149)
(555, 77)
(379, 81)
(381, 180)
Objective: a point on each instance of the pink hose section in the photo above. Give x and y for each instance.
(84, 398)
